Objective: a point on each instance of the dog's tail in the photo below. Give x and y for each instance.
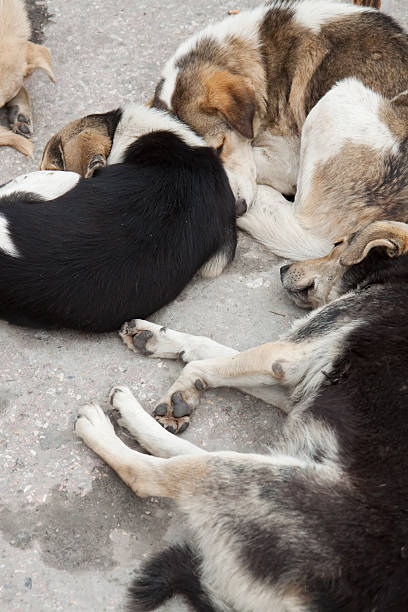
(372, 3)
(174, 571)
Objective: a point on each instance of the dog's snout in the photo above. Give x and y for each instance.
(240, 207)
(283, 271)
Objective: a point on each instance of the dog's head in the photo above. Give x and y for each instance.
(218, 89)
(352, 261)
(18, 59)
(82, 146)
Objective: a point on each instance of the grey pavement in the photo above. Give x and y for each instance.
(71, 533)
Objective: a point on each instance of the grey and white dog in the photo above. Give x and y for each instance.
(320, 523)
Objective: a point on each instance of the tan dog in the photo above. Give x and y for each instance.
(18, 59)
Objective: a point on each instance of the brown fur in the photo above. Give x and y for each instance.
(284, 73)
(81, 146)
(232, 97)
(18, 59)
(315, 282)
(393, 236)
(373, 3)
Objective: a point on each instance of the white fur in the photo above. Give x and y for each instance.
(214, 266)
(46, 184)
(6, 243)
(272, 220)
(167, 343)
(137, 120)
(244, 25)
(348, 113)
(312, 14)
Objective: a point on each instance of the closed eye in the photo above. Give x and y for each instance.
(219, 149)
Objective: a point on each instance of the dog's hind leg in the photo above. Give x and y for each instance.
(144, 474)
(9, 139)
(19, 114)
(209, 488)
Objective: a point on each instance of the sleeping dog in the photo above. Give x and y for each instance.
(248, 85)
(320, 524)
(18, 59)
(89, 254)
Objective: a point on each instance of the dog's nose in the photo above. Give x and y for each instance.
(283, 271)
(240, 207)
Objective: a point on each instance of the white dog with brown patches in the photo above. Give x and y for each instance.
(259, 87)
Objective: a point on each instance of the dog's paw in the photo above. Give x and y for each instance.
(174, 411)
(173, 425)
(20, 123)
(140, 336)
(92, 423)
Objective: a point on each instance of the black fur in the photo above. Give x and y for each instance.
(341, 543)
(120, 245)
(174, 571)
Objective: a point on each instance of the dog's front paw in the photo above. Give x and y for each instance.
(174, 411)
(92, 424)
(140, 336)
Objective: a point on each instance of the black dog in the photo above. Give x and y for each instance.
(123, 243)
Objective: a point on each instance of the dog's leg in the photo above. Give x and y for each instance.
(161, 342)
(209, 488)
(9, 139)
(145, 429)
(272, 221)
(266, 372)
(144, 474)
(19, 114)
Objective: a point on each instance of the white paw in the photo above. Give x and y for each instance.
(150, 339)
(92, 423)
(124, 402)
(140, 336)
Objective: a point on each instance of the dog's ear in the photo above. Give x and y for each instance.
(233, 97)
(87, 151)
(372, 3)
(53, 155)
(38, 56)
(391, 235)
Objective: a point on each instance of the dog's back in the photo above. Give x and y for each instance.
(14, 22)
(120, 245)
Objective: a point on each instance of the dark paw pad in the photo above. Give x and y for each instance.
(140, 339)
(199, 385)
(180, 406)
(161, 410)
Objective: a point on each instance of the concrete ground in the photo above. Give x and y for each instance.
(70, 532)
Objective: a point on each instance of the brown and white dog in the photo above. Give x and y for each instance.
(248, 85)
(18, 59)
